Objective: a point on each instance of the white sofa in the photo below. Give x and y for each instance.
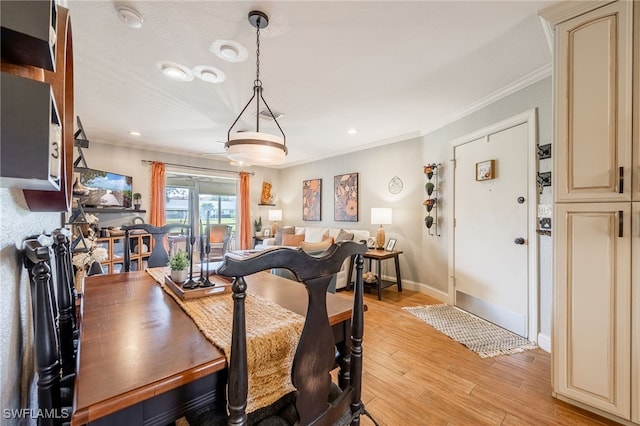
(316, 234)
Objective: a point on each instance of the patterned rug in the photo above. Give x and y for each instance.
(482, 337)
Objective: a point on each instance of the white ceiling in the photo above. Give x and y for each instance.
(389, 69)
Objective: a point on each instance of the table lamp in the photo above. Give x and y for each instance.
(274, 217)
(380, 216)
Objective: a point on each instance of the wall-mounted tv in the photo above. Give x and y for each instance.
(106, 189)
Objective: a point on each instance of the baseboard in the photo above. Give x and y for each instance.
(422, 288)
(544, 342)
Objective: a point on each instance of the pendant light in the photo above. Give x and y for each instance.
(256, 147)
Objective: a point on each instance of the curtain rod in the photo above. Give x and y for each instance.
(199, 168)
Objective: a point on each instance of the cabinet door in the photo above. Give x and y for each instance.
(592, 313)
(593, 121)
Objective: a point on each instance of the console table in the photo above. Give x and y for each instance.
(379, 255)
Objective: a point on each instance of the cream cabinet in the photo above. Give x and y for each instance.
(596, 183)
(592, 329)
(593, 101)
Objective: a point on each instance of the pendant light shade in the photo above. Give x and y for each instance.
(257, 147)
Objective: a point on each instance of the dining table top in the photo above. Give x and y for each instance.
(136, 342)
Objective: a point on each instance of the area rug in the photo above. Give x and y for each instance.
(482, 337)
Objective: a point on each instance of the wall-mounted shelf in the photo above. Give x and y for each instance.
(261, 204)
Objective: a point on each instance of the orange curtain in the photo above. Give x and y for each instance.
(157, 215)
(245, 207)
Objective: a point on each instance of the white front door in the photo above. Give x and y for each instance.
(491, 229)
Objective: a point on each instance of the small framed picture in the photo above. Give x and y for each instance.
(391, 244)
(266, 232)
(485, 170)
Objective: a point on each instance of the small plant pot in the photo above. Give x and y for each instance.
(429, 188)
(428, 221)
(179, 276)
(136, 206)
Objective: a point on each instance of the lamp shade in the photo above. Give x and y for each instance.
(275, 215)
(256, 148)
(381, 216)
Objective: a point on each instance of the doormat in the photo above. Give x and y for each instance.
(482, 337)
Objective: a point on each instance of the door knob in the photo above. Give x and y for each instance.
(519, 241)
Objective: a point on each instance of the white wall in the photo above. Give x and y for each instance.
(16, 326)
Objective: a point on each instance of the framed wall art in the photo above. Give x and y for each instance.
(312, 199)
(486, 170)
(345, 198)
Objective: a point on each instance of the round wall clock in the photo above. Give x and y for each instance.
(395, 185)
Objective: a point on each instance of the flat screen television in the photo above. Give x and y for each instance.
(106, 189)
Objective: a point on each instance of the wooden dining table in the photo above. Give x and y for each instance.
(142, 360)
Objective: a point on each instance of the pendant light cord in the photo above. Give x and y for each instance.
(258, 82)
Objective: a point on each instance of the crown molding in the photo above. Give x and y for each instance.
(565, 10)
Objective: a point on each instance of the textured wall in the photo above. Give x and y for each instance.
(16, 328)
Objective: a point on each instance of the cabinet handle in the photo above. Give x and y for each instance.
(620, 223)
(620, 180)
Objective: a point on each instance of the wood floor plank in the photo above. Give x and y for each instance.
(415, 375)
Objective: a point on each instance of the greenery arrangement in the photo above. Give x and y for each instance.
(258, 224)
(179, 261)
(137, 196)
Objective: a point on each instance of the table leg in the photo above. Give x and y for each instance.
(398, 278)
(379, 279)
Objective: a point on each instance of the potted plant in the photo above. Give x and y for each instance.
(429, 187)
(258, 225)
(178, 264)
(136, 200)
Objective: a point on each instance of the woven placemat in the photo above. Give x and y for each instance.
(272, 337)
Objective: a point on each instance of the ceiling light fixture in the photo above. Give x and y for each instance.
(209, 74)
(130, 16)
(229, 50)
(256, 147)
(175, 71)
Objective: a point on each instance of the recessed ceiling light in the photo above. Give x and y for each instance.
(134, 133)
(175, 71)
(229, 50)
(352, 131)
(130, 16)
(208, 73)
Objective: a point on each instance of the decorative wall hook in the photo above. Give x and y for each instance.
(544, 151)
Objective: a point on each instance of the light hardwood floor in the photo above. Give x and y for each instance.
(414, 375)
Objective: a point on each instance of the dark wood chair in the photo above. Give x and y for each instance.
(54, 390)
(316, 400)
(159, 255)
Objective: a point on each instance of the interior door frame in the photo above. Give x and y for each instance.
(529, 117)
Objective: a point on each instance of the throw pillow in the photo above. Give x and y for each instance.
(344, 236)
(281, 230)
(321, 246)
(292, 240)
